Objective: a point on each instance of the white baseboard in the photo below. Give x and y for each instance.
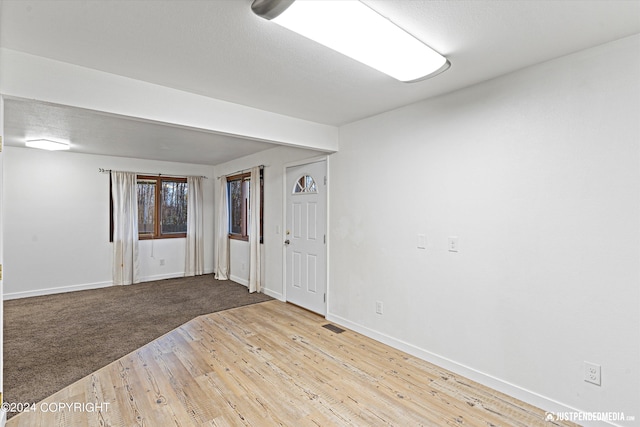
(240, 280)
(162, 277)
(59, 290)
(273, 294)
(3, 418)
(535, 399)
(86, 286)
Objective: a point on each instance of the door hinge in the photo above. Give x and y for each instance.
(325, 297)
(325, 239)
(325, 180)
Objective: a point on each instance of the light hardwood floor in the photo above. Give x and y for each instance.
(274, 364)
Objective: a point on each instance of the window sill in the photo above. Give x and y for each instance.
(239, 237)
(165, 236)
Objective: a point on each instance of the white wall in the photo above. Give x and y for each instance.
(239, 258)
(274, 160)
(538, 174)
(56, 233)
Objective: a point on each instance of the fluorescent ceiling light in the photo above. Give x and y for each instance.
(355, 30)
(46, 144)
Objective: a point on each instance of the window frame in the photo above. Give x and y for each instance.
(157, 226)
(244, 235)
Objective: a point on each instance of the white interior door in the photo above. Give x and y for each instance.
(305, 236)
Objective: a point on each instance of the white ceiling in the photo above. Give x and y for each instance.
(111, 135)
(222, 50)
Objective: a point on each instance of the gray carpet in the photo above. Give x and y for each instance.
(52, 341)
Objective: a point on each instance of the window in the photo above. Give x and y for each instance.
(162, 207)
(238, 206)
(238, 187)
(305, 184)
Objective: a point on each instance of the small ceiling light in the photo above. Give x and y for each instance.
(355, 30)
(46, 144)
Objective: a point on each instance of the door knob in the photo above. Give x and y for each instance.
(286, 242)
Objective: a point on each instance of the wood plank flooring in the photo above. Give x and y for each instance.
(274, 364)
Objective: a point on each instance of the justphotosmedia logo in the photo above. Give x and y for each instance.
(588, 416)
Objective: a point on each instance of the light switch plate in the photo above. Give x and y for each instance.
(453, 244)
(379, 307)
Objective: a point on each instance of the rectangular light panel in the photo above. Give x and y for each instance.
(355, 30)
(46, 144)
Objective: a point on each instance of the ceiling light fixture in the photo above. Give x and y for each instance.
(355, 30)
(47, 144)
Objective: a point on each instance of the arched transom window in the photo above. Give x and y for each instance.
(305, 184)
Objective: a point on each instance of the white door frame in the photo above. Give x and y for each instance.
(3, 414)
(283, 226)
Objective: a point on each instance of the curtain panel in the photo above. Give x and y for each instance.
(255, 282)
(194, 250)
(222, 233)
(125, 228)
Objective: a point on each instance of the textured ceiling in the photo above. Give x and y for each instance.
(107, 134)
(222, 50)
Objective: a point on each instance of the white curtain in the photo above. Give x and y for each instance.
(125, 228)
(194, 258)
(255, 284)
(222, 233)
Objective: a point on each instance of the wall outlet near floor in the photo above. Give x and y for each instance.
(379, 307)
(162, 262)
(592, 373)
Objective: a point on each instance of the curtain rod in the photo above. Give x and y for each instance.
(240, 171)
(102, 170)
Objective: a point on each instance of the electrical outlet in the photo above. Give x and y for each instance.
(592, 373)
(162, 262)
(379, 307)
(453, 244)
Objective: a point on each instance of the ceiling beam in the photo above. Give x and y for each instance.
(35, 77)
